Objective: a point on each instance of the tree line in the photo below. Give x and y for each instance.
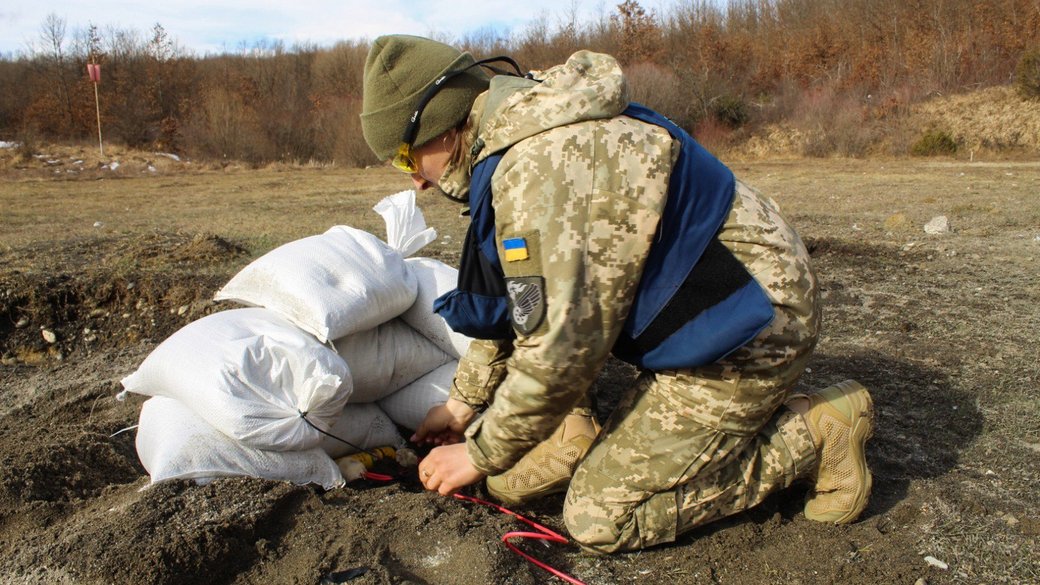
(719, 70)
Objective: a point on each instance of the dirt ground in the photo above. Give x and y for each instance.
(99, 265)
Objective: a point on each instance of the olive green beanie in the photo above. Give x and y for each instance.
(398, 70)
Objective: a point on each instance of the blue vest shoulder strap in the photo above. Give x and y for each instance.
(696, 302)
(479, 307)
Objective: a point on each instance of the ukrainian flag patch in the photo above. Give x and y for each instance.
(516, 249)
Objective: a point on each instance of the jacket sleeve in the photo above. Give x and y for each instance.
(578, 206)
(480, 371)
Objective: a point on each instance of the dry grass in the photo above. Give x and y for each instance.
(270, 206)
(996, 118)
(995, 122)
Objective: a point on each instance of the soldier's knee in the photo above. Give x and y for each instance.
(594, 526)
(627, 524)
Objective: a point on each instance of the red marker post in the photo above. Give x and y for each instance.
(94, 71)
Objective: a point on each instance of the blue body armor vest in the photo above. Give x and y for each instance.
(695, 303)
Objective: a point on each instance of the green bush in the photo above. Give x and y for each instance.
(934, 143)
(1027, 76)
(730, 110)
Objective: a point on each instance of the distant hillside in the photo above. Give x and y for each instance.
(995, 118)
(990, 121)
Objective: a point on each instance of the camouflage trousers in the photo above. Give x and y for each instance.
(687, 447)
(659, 471)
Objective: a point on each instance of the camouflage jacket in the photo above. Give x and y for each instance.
(583, 188)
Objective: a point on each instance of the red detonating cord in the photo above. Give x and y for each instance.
(371, 475)
(543, 533)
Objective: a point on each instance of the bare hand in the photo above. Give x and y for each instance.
(445, 423)
(447, 469)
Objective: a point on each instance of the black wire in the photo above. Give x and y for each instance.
(374, 456)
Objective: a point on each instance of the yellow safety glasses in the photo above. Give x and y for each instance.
(403, 160)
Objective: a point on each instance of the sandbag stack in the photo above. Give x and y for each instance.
(338, 334)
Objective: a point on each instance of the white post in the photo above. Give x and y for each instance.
(97, 104)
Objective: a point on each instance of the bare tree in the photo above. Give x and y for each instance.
(52, 34)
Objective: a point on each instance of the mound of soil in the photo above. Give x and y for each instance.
(106, 293)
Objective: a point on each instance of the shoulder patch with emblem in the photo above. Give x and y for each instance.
(526, 302)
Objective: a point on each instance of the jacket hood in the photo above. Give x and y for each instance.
(589, 86)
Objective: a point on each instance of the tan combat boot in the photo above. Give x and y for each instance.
(840, 419)
(548, 467)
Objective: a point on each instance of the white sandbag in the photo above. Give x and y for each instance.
(175, 443)
(343, 281)
(406, 229)
(364, 426)
(249, 373)
(384, 359)
(409, 405)
(435, 278)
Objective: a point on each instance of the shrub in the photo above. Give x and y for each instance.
(834, 125)
(713, 135)
(730, 110)
(934, 142)
(28, 142)
(1027, 75)
(660, 89)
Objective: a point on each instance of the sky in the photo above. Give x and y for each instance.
(217, 26)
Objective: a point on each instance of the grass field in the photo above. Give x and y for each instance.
(942, 328)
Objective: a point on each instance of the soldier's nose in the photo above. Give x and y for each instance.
(420, 183)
